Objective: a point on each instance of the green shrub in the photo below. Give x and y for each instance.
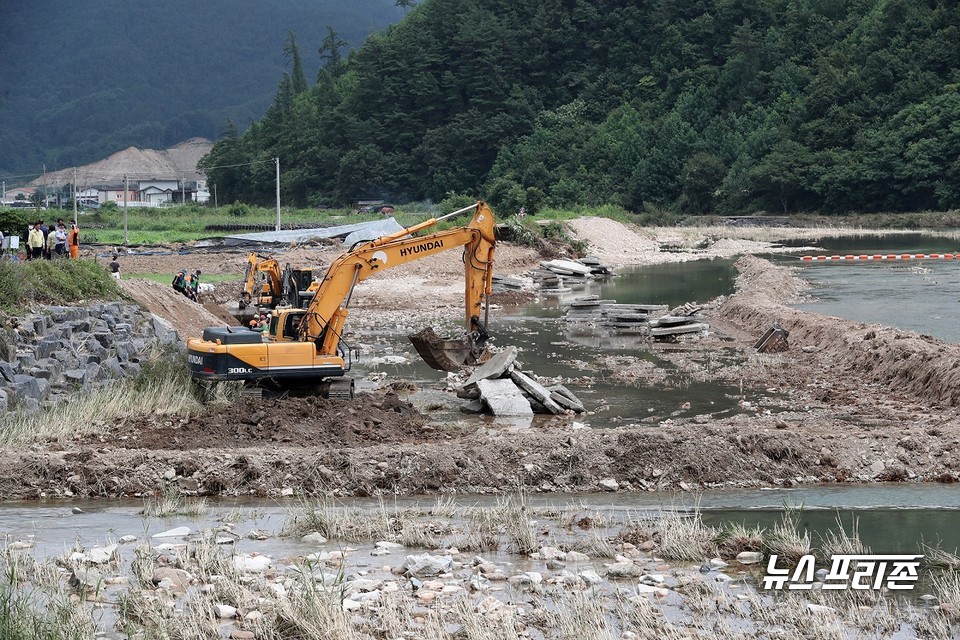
(54, 282)
(455, 202)
(238, 210)
(15, 221)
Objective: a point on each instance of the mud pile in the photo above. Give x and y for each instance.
(187, 317)
(292, 422)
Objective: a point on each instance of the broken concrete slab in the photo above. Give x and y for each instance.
(678, 329)
(504, 398)
(565, 398)
(536, 390)
(566, 267)
(668, 321)
(474, 406)
(495, 367)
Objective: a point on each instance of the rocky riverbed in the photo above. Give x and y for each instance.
(450, 570)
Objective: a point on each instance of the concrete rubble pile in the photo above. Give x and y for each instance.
(500, 387)
(654, 320)
(557, 276)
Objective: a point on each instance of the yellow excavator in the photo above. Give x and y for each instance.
(266, 285)
(302, 349)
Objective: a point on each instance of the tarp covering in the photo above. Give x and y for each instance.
(358, 230)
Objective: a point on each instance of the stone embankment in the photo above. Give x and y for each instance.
(63, 350)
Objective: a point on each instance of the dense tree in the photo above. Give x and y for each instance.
(703, 106)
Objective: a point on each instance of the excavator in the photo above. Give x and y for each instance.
(303, 348)
(279, 286)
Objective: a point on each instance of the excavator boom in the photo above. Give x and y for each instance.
(305, 344)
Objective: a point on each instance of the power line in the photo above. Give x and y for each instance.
(242, 164)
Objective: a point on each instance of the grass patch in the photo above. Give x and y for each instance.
(163, 387)
(171, 503)
(786, 540)
(56, 282)
(164, 278)
(28, 612)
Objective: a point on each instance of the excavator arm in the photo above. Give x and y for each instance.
(269, 295)
(302, 346)
(325, 317)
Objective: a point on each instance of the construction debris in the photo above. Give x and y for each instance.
(504, 398)
(506, 391)
(653, 320)
(774, 340)
(556, 276)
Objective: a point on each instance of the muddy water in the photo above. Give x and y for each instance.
(582, 355)
(917, 295)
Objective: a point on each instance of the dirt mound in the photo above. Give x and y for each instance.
(614, 242)
(187, 317)
(290, 422)
(902, 362)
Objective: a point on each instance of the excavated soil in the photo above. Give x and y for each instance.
(848, 402)
(305, 422)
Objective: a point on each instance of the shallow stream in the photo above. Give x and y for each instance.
(891, 518)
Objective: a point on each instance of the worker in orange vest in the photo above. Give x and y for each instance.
(73, 241)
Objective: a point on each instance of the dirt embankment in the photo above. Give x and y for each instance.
(187, 317)
(852, 403)
(917, 367)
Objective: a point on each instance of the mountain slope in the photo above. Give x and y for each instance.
(80, 80)
(701, 106)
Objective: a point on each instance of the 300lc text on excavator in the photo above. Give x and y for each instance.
(303, 348)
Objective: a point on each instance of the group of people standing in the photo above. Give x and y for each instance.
(46, 242)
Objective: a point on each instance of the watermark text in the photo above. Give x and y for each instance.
(846, 571)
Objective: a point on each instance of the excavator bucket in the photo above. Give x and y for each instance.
(448, 354)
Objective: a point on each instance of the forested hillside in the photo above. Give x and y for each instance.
(81, 80)
(719, 106)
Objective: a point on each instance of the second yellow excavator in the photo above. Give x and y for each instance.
(266, 285)
(303, 346)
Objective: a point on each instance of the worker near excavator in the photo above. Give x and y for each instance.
(179, 282)
(191, 285)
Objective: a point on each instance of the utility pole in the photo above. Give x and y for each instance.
(74, 190)
(278, 192)
(183, 191)
(126, 191)
(216, 205)
(44, 185)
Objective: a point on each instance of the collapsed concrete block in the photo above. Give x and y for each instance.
(504, 398)
(474, 406)
(565, 398)
(495, 367)
(536, 390)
